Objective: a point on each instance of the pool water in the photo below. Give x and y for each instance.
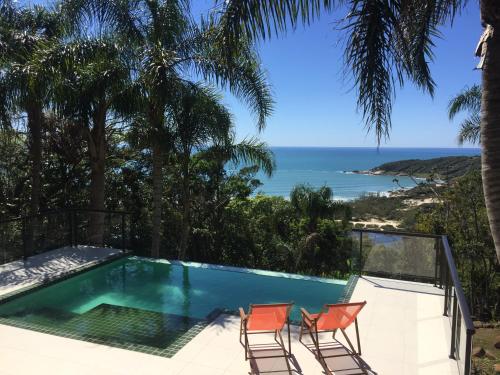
(155, 306)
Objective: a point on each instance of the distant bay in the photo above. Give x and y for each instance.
(318, 166)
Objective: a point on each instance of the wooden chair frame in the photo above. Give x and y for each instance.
(277, 333)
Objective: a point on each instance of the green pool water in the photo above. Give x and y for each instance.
(154, 306)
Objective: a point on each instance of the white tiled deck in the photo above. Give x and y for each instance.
(402, 332)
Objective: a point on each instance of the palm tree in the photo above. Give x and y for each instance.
(315, 204)
(489, 50)
(468, 100)
(168, 43)
(23, 32)
(389, 42)
(195, 118)
(92, 87)
(312, 205)
(199, 122)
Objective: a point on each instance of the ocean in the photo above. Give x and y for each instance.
(318, 166)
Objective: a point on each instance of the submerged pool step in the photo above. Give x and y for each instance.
(118, 324)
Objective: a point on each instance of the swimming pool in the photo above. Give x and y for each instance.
(157, 306)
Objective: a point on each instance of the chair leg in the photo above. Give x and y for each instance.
(315, 342)
(357, 335)
(241, 332)
(289, 340)
(246, 345)
(318, 355)
(301, 330)
(334, 333)
(348, 341)
(284, 352)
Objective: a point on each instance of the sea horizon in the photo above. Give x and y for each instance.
(330, 165)
(384, 147)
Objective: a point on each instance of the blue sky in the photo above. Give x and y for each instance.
(315, 106)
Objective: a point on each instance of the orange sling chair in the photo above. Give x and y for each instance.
(270, 318)
(332, 318)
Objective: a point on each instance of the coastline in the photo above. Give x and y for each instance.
(334, 167)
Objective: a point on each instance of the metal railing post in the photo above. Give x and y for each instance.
(75, 227)
(453, 347)
(446, 292)
(442, 265)
(2, 244)
(123, 231)
(436, 263)
(360, 266)
(23, 238)
(468, 353)
(70, 231)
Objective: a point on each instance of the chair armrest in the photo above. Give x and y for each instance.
(243, 316)
(306, 315)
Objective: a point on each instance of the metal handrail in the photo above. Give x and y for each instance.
(444, 267)
(462, 302)
(397, 233)
(459, 302)
(63, 210)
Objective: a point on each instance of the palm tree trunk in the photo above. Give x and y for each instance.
(97, 152)
(35, 118)
(490, 118)
(186, 208)
(157, 154)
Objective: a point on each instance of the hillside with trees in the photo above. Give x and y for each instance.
(444, 168)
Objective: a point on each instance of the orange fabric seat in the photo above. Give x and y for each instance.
(265, 322)
(339, 316)
(267, 317)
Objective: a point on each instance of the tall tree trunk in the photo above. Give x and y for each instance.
(35, 118)
(157, 154)
(97, 153)
(186, 208)
(490, 115)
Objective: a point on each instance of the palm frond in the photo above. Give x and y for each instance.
(254, 152)
(240, 70)
(469, 99)
(389, 42)
(470, 130)
(104, 17)
(254, 19)
(368, 55)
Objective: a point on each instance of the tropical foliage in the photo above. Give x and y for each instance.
(462, 216)
(469, 100)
